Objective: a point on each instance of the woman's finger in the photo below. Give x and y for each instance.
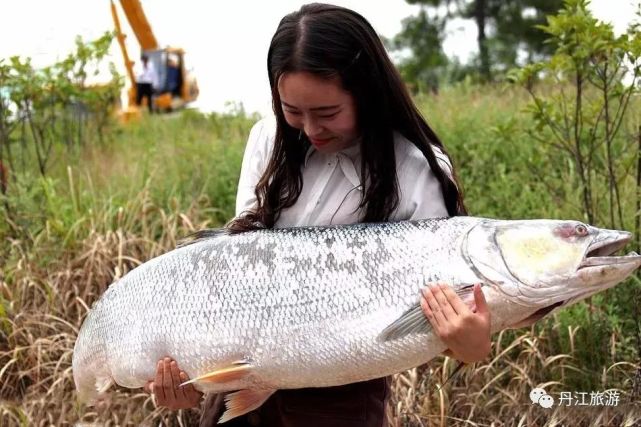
(189, 390)
(158, 389)
(444, 304)
(167, 381)
(428, 313)
(455, 301)
(175, 376)
(434, 306)
(479, 300)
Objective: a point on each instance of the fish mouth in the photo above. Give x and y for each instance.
(600, 251)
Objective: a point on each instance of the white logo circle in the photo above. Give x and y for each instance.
(546, 401)
(536, 394)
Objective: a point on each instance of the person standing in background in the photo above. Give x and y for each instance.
(146, 81)
(173, 77)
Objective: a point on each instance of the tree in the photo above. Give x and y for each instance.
(505, 28)
(46, 109)
(585, 118)
(423, 35)
(580, 97)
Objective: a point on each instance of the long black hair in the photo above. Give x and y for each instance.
(331, 41)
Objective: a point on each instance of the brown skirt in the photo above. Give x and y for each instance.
(351, 405)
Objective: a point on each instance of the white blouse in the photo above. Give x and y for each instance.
(331, 182)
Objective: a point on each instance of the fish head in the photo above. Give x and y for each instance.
(548, 263)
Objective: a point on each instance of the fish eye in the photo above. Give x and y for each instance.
(581, 230)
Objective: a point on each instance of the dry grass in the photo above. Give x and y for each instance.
(53, 277)
(496, 393)
(46, 307)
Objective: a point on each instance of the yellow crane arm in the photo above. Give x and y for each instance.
(121, 41)
(139, 24)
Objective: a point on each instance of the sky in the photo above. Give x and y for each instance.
(226, 45)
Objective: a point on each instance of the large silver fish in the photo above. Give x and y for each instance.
(324, 306)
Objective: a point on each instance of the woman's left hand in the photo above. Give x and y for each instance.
(465, 331)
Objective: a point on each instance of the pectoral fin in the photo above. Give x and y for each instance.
(413, 321)
(243, 401)
(235, 371)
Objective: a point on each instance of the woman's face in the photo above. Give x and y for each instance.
(321, 108)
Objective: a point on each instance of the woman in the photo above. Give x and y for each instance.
(346, 145)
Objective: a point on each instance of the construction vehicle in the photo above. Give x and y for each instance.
(175, 89)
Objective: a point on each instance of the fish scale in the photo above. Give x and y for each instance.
(300, 307)
(345, 291)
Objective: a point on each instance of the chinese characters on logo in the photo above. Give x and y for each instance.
(593, 398)
(539, 396)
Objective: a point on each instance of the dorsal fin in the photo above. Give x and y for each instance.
(212, 233)
(200, 235)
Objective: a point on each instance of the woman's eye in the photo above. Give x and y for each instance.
(327, 116)
(294, 113)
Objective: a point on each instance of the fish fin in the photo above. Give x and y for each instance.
(536, 316)
(452, 375)
(466, 293)
(235, 371)
(200, 235)
(413, 321)
(103, 384)
(243, 401)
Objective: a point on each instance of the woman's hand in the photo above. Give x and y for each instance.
(465, 331)
(166, 387)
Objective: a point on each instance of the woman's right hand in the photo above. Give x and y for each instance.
(166, 387)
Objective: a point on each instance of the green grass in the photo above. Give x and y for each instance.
(105, 207)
